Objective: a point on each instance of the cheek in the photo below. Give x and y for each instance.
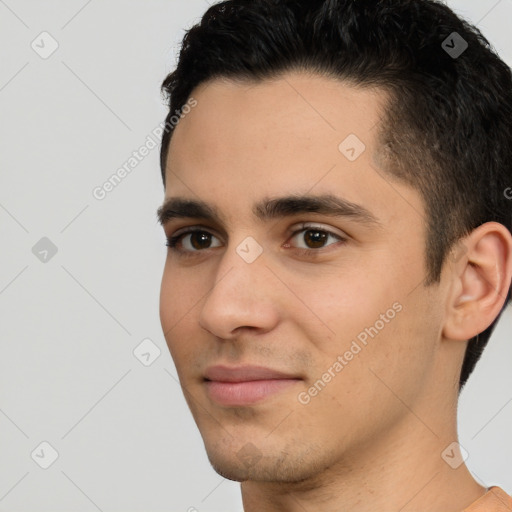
(370, 313)
(179, 294)
(359, 373)
(176, 310)
(346, 305)
(167, 305)
(397, 348)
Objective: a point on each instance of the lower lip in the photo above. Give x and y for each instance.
(246, 393)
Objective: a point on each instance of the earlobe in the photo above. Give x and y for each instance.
(480, 282)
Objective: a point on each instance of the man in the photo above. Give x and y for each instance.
(340, 247)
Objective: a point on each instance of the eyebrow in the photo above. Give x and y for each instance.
(271, 208)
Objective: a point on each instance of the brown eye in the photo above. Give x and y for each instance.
(198, 240)
(315, 238)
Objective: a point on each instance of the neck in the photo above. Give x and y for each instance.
(399, 471)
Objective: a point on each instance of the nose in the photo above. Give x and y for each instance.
(243, 296)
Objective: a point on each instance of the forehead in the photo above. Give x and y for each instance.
(297, 133)
(294, 111)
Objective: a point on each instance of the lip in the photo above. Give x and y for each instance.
(245, 385)
(247, 373)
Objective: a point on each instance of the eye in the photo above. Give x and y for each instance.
(199, 240)
(314, 238)
(194, 240)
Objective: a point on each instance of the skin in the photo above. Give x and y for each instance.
(372, 438)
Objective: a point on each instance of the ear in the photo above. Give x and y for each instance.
(480, 281)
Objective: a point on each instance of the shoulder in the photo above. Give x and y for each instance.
(494, 500)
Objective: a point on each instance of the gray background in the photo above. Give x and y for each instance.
(68, 376)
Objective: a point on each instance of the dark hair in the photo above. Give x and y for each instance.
(447, 131)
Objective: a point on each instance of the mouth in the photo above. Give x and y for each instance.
(245, 385)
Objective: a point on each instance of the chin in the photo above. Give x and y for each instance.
(229, 470)
(237, 464)
(248, 463)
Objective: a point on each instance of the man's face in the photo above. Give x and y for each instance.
(338, 305)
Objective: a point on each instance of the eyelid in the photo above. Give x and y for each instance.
(315, 225)
(291, 231)
(191, 229)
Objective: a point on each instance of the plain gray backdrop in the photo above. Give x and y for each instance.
(80, 276)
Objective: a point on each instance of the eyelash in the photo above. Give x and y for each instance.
(173, 241)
